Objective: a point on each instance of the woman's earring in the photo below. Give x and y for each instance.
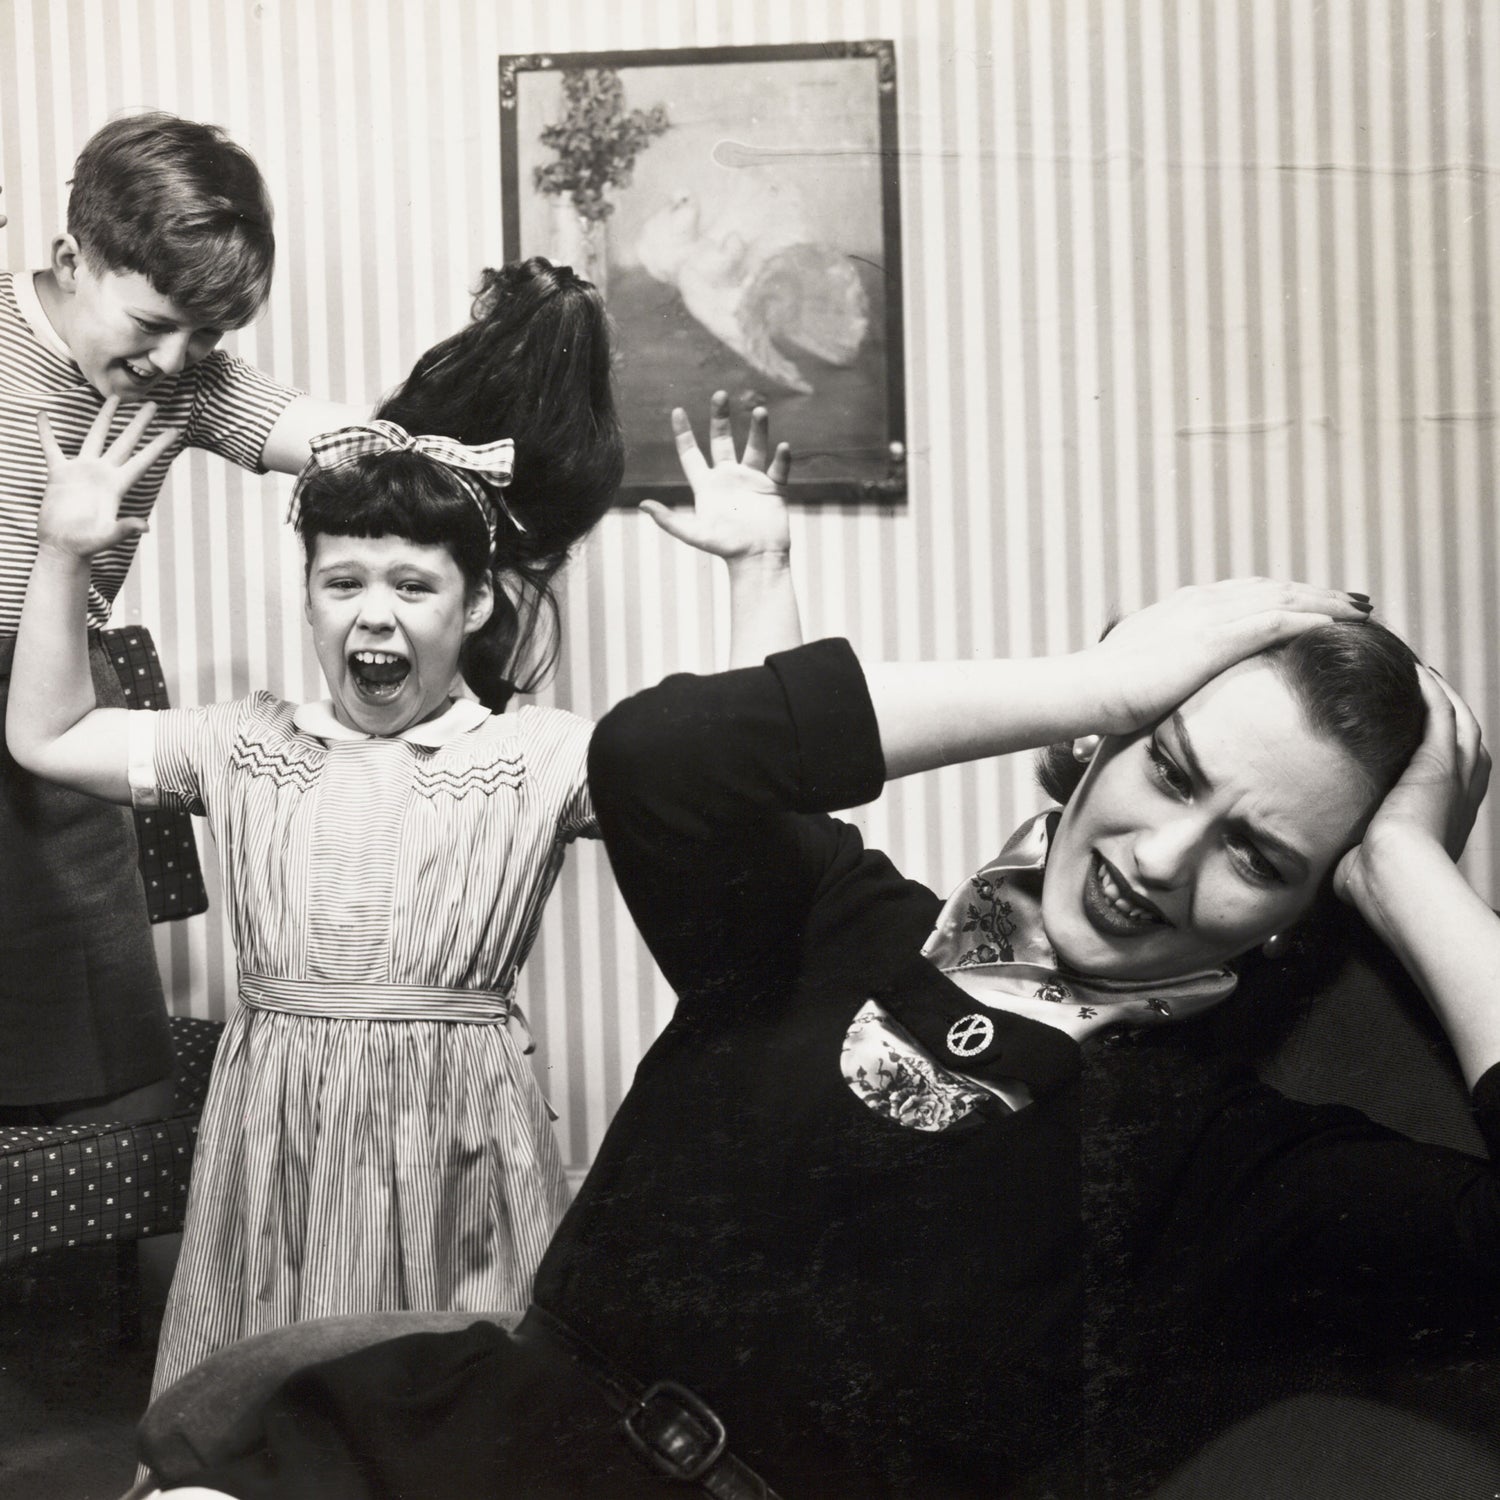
(1085, 747)
(1275, 946)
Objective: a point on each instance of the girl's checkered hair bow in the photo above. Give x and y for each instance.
(483, 470)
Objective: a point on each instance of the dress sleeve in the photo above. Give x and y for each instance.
(709, 791)
(177, 754)
(557, 756)
(235, 407)
(1313, 1219)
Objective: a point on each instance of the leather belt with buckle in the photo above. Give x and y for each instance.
(671, 1430)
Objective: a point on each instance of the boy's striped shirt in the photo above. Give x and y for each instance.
(222, 404)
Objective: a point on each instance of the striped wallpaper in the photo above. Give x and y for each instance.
(1193, 287)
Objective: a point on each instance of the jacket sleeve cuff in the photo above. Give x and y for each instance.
(838, 740)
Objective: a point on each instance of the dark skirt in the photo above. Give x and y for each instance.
(81, 1009)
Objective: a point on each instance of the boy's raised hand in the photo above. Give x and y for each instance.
(80, 514)
(739, 505)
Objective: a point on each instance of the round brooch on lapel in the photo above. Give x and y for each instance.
(970, 1035)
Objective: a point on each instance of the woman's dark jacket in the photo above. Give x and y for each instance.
(1005, 1307)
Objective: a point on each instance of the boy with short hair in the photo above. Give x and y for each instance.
(169, 245)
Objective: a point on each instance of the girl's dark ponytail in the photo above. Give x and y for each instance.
(516, 649)
(533, 365)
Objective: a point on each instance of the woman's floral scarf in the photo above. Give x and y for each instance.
(989, 940)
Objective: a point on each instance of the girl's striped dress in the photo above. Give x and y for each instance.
(373, 1137)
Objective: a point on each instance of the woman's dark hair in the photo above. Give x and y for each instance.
(1357, 686)
(532, 365)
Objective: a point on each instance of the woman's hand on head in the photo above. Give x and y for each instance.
(1155, 658)
(1435, 801)
(80, 514)
(739, 504)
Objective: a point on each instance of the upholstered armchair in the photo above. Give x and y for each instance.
(68, 1185)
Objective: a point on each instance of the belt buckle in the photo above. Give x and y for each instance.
(654, 1452)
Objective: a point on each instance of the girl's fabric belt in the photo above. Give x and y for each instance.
(337, 1000)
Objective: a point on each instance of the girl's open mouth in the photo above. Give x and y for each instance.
(378, 675)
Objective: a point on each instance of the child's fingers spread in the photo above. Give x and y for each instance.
(720, 430)
(48, 440)
(781, 466)
(130, 434)
(688, 454)
(93, 443)
(755, 444)
(665, 518)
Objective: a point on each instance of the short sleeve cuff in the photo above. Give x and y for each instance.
(838, 739)
(141, 759)
(236, 409)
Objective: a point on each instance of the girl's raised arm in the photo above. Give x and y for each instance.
(53, 726)
(739, 514)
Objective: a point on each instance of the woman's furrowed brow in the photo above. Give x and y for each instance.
(1270, 842)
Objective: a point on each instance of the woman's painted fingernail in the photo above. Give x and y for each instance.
(1359, 598)
(1362, 605)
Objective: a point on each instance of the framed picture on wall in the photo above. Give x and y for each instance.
(739, 207)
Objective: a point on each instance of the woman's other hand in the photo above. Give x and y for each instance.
(739, 504)
(1435, 801)
(1155, 658)
(80, 513)
(1405, 884)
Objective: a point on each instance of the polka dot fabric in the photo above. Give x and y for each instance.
(168, 853)
(64, 1185)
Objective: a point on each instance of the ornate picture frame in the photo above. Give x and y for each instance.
(739, 207)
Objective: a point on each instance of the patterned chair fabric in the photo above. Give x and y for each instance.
(63, 1185)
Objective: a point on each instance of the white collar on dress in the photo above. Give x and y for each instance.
(461, 715)
(23, 285)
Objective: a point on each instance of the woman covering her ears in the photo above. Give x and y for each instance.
(912, 1195)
